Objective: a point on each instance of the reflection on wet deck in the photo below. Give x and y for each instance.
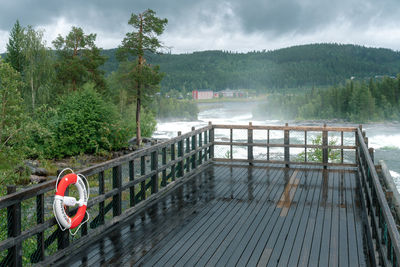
(238, 215)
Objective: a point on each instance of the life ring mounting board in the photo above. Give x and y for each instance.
(60, 201)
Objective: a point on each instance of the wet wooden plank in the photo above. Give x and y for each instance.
(313, 257)
(334, 243)
(250, 235)
(296, 236)
(300, 255)
(237, 219)
(357, 221)
(268, 238)
(240, 256)
(211, 242)
(142, 230)
(288, 232)
(213, 225)
(344, 221)
(216, 249)
(174, 245)
(236, 237)
(326, 233)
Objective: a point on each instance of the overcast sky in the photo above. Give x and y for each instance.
(235, 25)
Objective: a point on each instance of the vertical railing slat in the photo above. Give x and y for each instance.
(101, 192)
(14, 229)
(211, 140)
(117, 183)
(132, 178)
(154, 167)
(163, 162)
(286, 143)
(325, 147)
(250, 156)
(143, 172)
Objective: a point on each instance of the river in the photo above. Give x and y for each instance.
(383, 137)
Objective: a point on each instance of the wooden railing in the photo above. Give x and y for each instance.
(381, 228)
(328, 149)
(136, 180)
(131, 183)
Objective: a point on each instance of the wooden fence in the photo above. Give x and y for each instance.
(127, 185)
(321, 148)
(138, 179)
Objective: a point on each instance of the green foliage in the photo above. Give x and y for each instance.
(15, 46)
(144, 36)
(141, 78)
(85, 123)
(315, 154)
(174, 108)
(293, 67)
(38, 70)
(147, 121)
(355, 102)
(78, 60)
(12, 119)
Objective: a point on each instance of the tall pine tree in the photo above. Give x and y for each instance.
(142, 39)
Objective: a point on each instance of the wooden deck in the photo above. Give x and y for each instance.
(238, 215)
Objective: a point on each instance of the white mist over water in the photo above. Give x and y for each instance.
(384, 138)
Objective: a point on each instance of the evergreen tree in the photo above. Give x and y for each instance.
(79, 60)
(143, 77)
(14, 47)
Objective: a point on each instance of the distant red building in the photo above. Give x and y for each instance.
(202, 94)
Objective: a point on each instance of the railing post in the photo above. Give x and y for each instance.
(200, 161)
(325, 147)
(14, 228)
(305, 146)
(211, 156)
(132, 188)
(341, 150)
(63, 236)
(268, 144)
(181, 166)
(194, 145)
(101, 192)
(117, 183)
(205, 142)
(286, 142)
(371, 153)
(250, 156)
(163, 162)
(188, 159)
(231, 146)
(154, 166)
(143, 183)
(40, 219)
(173, 170)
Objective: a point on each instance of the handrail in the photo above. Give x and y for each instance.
(325, 147)
(32, 191)
(388, 238)
(171, 162)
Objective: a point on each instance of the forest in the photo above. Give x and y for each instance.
(268, 71)
(76, 98)
(355, 101)
(57, 103)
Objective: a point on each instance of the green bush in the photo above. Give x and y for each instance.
(85, 123)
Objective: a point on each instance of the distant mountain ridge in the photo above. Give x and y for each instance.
(292, 67)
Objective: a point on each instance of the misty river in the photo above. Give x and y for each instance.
(383, 137)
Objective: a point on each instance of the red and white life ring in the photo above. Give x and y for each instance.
(60, 201)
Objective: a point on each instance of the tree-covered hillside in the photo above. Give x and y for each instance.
(298, 66)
